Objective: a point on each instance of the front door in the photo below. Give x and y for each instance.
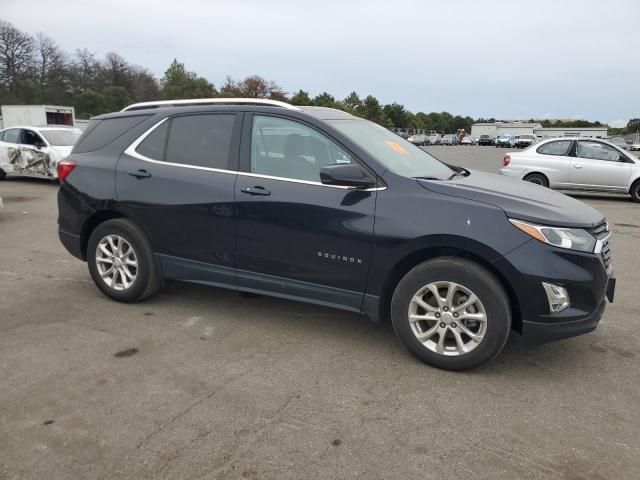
(599, 166)
(177, 182)
(297, 237)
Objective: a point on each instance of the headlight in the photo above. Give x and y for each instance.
(571, 238)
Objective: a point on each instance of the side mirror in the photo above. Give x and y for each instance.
(346, 175)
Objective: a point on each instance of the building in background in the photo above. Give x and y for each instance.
(590, 132)
(495, 129)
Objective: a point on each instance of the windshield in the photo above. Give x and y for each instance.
(399, 156)
(61, 138)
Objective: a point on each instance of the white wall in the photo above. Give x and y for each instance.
(571, 132)
(483, 129)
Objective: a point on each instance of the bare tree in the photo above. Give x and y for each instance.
(16, 53)
(116, 70)
(50, 59)
(253, 86)
(86, 71)
(144, 86)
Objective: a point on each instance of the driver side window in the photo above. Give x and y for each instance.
(288, 149)
(598, 151)
(29, 137)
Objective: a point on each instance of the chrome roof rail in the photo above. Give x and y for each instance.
(209, 101)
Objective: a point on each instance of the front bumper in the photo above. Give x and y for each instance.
(584, 276)
(543, 332)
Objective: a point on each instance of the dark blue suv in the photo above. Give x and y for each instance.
(317, 205)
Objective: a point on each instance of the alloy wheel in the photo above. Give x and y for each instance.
(116, 262)
(447, 318)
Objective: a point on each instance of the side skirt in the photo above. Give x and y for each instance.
(181, 269)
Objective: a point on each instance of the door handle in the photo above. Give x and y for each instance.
(256, 191)
(139, 174)
(578, 166)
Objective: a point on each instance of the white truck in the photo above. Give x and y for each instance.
(36, 115)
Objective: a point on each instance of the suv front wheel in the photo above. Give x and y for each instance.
(121, 261)
(451, 313)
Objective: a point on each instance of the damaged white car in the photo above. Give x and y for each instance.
(35, 151)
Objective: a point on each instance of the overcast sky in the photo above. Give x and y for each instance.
(483, 58)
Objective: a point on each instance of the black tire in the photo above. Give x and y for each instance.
(635, 191)
(472, 276)
(3, 174)
(538, 179)
(147, 279)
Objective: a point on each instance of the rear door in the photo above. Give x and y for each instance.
(296, 236)
(177, 180)
(599, 166)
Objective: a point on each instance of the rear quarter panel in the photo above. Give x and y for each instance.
(555, 168)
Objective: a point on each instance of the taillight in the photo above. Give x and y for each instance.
(65, 167)
(506, 160)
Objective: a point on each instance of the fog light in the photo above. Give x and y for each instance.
(558, 297)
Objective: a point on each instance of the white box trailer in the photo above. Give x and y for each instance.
(37, 115)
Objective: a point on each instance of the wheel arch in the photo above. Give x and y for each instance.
(537, 172)
(92, 223)
(406, 263)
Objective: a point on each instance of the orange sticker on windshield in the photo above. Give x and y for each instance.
(396, 147)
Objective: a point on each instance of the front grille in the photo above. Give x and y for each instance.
(600, 231)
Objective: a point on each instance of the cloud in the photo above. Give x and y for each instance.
(487, 58)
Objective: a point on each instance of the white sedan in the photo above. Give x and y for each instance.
(35, 151)
(576, 164)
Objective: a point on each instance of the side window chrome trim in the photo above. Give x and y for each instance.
(131, 151)
(309, 182)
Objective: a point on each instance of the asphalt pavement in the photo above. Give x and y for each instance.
(200, 382)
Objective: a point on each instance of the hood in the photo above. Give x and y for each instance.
(519, 199)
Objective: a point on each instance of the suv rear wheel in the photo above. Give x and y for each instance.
(451, 313)
(121, 261)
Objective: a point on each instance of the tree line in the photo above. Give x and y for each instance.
(35, 70)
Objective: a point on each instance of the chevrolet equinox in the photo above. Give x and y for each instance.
(317, 205)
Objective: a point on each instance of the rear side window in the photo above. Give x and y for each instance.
(201, 140)
(560, 147)
(106, 132)
(153, 146)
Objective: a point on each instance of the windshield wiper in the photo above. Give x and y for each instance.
(462, 172)
(427, 178)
